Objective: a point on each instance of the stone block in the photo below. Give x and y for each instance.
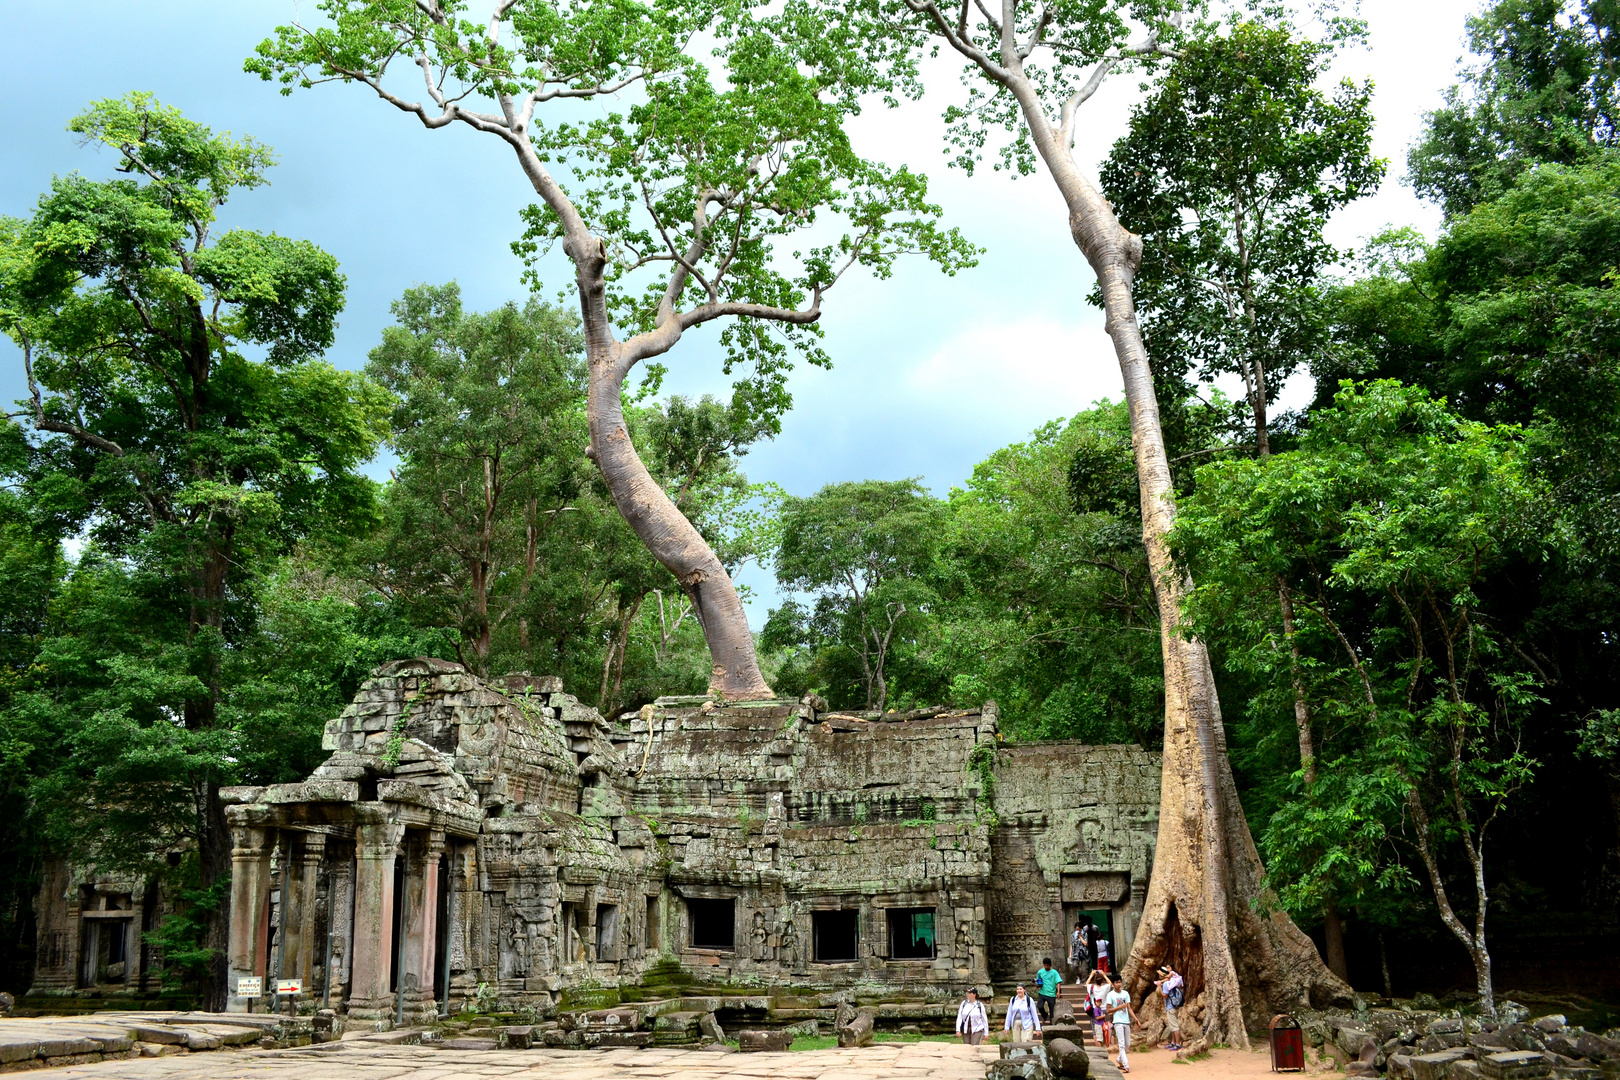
(1596, 1047)
(1435, 1066)
(1446, 1025)
(16, 1048)
(1522, 1036)
(65, 1047)
(611, 1020)
(1466, 1069)
(1575, 1073)
(468, 1043)
(753, 1042)
(711, 1029)
(113, 1044)
(858, 1032)
(1066, 1058)
(637, 1039)
(1019, 1068)
(517, 1037)
(1550, 1025)
(1075, 1033)
(1399, 1066)
(1514, 1065)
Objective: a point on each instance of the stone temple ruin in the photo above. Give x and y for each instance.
(471, 841)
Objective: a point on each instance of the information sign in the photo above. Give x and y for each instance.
(289, 986)
(250, 986)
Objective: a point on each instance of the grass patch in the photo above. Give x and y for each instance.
(1198, 1055)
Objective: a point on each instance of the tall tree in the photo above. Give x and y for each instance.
(1036, 65)
(1547, 89)
(1229, 174)
(865, 550)
(677, 204)
(489, 424)
(1386, 523)
(158, 436)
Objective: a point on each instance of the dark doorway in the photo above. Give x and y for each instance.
(1101, 918)
(835, 934)
(714, 923)
(396, 939)
(911, 933)
(441, 930)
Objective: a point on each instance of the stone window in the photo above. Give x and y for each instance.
(835, 935)
(911, 933)
(714, 923)
(650, 928)
(607, 931)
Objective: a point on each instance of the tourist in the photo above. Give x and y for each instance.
(1048, 985)
(1173, 987)
(1096, 992)
(1118, 1002)
(971, 1022)
(1102, 954)
(1022, 1020)
(1079, 953)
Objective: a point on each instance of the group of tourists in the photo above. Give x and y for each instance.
(1106, 1002)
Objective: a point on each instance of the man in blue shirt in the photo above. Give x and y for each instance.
(1048, 982)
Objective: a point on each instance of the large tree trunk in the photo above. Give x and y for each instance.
(655, 519)
(670, 537)
(1241, 965)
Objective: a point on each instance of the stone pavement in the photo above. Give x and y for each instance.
(351, 1061)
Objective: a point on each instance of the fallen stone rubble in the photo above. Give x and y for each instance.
(1428, 1044)
(38, 1042)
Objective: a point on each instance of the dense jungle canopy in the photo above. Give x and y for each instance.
(1409, 588)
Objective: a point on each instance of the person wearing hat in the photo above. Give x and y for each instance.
(971, 1021)
(1173, 988)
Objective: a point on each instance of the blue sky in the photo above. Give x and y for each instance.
(930, 373)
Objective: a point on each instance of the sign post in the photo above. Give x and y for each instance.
(250, 987)
(292, 988)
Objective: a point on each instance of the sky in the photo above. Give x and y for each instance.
(930, 373)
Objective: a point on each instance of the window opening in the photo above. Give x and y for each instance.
(911, 933)
(650, 927)
(835, 935)
(607, 931)
(714, 923)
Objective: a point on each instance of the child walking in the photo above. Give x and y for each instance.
(1119, 1002)
(1096, 992)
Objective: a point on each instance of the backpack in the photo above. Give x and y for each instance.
(1175, 997)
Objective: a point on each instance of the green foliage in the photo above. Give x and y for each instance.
(1384, 523)
(1544, 91)
(181, 937)
(865, 551)
(1229, 173)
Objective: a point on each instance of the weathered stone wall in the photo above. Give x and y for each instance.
(502, 834)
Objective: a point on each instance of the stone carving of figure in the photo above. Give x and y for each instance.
(520, 948)
(964, 944)
(790, 943)
(762, 945)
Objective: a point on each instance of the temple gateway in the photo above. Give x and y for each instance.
(499, 839)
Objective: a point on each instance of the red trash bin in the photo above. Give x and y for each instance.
(1287, 1044)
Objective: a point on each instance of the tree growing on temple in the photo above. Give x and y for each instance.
(181, 461)
(669, 211)
(1032, 67)
(1229, 174)
(1387, 524)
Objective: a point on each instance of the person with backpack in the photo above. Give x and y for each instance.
(1174, 989)
(1079, 953)
(971, 1021)
(1022, 1020)
(1101, 945)
(1096, 991)
(1118, 1003)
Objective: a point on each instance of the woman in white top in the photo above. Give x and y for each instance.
(971, 1021)
(1096, 991)
(1022, 1019)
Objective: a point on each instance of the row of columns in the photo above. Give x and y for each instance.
(381, 932)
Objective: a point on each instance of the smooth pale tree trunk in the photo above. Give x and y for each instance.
(1241, 965)
(654, 518)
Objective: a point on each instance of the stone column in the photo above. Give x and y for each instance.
(309, 944)
(339, 907)
(250, 907)
(425, 924)
(377, 846)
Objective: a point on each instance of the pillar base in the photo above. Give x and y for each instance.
(419, 1009)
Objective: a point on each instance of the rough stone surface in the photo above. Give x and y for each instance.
(1514, 1065)
(1435, 1066)
(754, 1042)
(584, 854)
(1066, 1058)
